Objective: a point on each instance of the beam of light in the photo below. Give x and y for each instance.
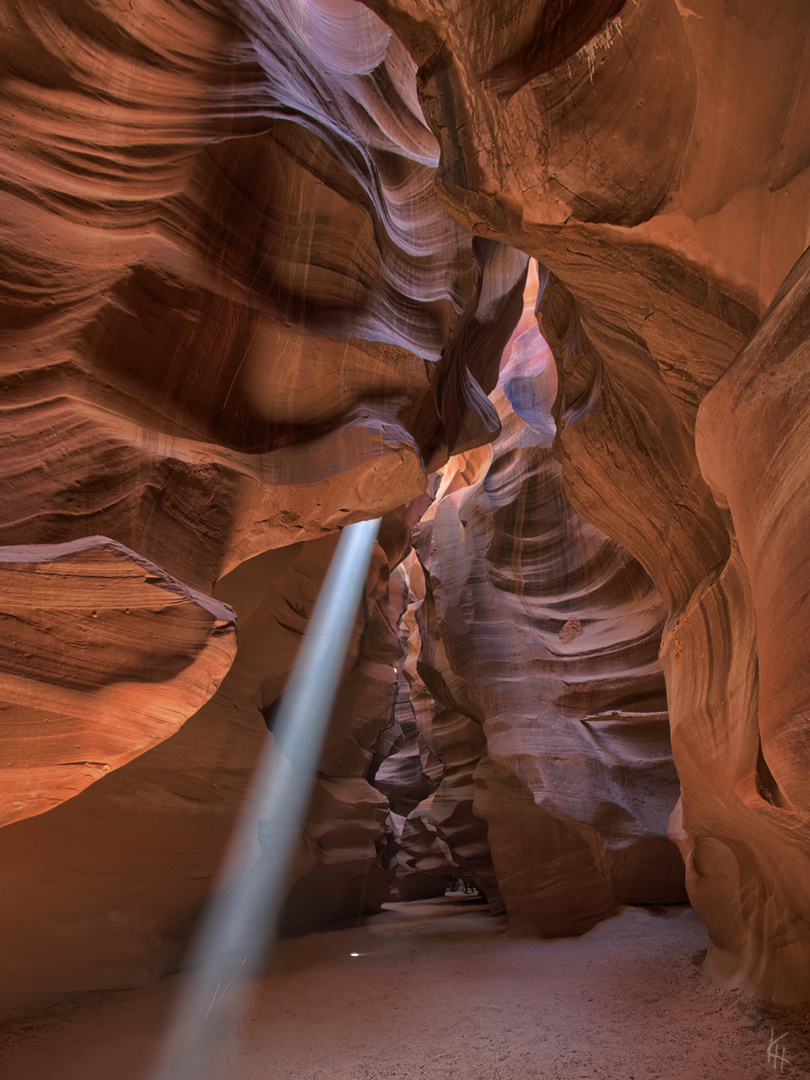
(240, 918)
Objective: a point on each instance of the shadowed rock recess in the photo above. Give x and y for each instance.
(265, 272)
(537, 682)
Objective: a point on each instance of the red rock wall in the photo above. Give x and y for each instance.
(226, 270)
(248, 297)
(102, 891)
(234, 317)
(653, 156)
(114, 653)
(538, 640)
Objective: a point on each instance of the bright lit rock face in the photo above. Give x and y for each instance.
(235, 317)
(751, 827)
(227, 271)
(115, 654)
(653, 155)
(260, 261)
(541, 689)
(102, 890)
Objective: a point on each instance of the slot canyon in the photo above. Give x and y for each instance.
(528, 282)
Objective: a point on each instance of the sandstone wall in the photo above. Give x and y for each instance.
(102, 891)
(539, 681)
(254, 288)
(234, 317)
(654, 157)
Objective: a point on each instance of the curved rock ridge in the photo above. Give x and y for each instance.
(102, 656)
(746, 800)
(417, 859)
(234, 316)
(339, 871)
(248, 297)
(607, 152)
(227, 271)
(401, 776)
(624, 126)
(441, 836)
(103, 891)
(552, 632)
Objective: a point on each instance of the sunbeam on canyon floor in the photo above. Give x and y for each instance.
(435, 990)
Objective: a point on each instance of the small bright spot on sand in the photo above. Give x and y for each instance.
(354, 954)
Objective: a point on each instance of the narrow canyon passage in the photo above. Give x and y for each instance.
(526, 282)
(436, 990)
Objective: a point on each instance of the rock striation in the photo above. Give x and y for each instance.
(598, 139)
(538, 643)
(102, 655)
(744, 832)
(260, 263)
(226, 270)
(103, 890)
(235, 317)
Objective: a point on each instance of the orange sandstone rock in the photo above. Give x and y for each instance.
(538, 642)
(654, 157)
(103, 656)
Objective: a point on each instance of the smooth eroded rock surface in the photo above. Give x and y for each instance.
(234, 317)
(235, 314)
(103, 891)
(259, 267)
(102, 656)
(539, 640)
(654, 157)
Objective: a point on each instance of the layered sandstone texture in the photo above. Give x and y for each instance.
(419, 863)
(259, 264)
(653, 156)
(234, 317)
(102, 891)
(102, 656)
(539, 683)
(235, 314)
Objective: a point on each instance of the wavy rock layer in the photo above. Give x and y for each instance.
(235, 317)
(339, 871)
(103, 655)
(225, 270)
(443, 836)
(551, 632)
(401, 776)
(598, 138)
(752, 443)
(102, 891)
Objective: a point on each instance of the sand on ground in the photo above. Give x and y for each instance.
(438, 991)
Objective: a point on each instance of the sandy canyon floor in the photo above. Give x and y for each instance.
(437, 991)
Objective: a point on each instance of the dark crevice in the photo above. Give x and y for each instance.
(561, 30)
(767, 786)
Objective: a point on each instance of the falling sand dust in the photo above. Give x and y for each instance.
(435, 990)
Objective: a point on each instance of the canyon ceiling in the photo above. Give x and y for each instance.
(526, 280)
